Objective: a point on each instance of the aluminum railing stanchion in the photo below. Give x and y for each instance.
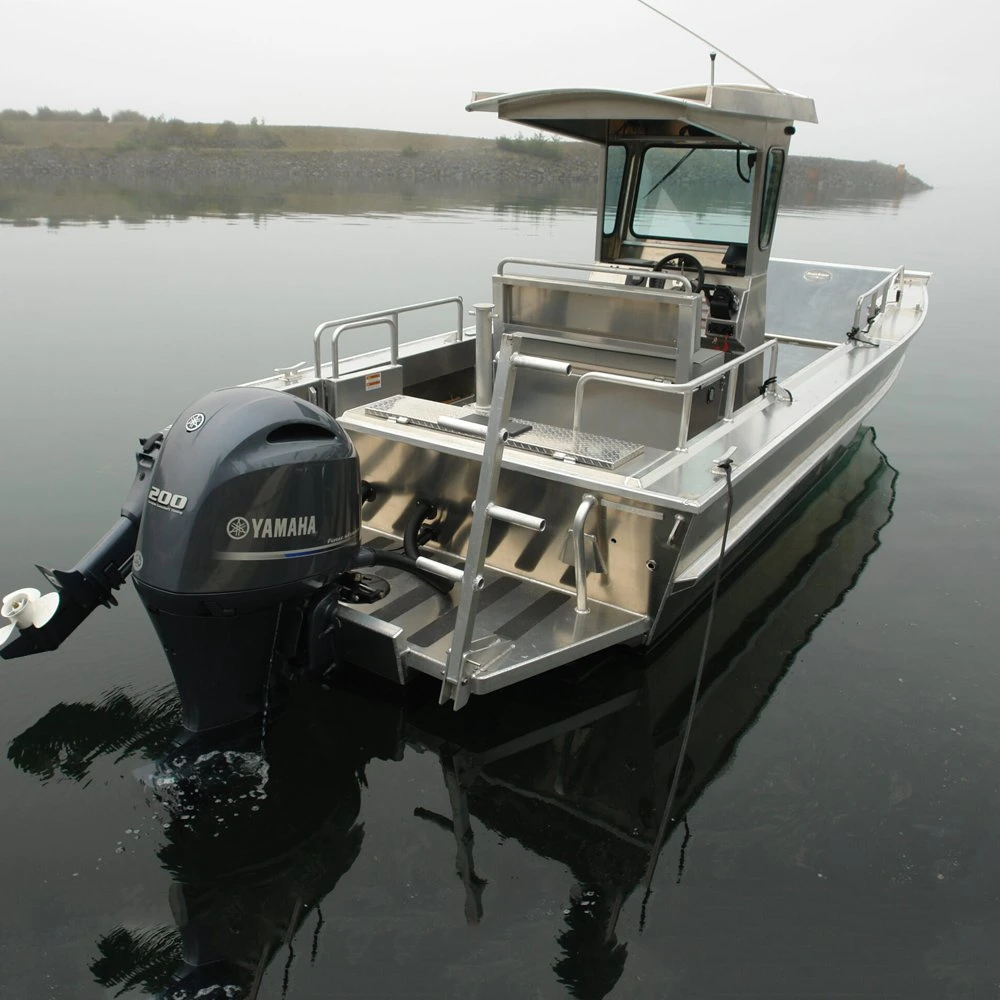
(579, 551)
(484, 354)
(388, 317)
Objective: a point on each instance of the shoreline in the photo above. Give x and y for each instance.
(281, 170)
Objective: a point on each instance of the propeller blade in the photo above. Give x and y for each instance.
(28, 607)
(43, 609)
(5, 633)
(17, 599)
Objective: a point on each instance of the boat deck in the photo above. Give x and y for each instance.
(522, 628)
(638, 448)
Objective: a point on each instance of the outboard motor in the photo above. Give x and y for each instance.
(241, 530)
(253, 513)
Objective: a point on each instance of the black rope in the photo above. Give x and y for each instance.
(683, 854)
(727, 467)
(315, 941)
(855, 333)
(773, 380)
(288, 971)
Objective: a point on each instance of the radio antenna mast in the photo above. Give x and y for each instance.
(705, 41)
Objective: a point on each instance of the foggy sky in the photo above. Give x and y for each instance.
(898, 82)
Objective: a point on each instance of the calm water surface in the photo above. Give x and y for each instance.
(839, 795)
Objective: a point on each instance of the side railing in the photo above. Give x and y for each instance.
(386, 317)
(623, 271)
(873, 302)
(687, 389)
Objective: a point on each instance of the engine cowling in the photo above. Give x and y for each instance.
(253, 509)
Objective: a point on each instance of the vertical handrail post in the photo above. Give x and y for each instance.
(580, 552)
(685, 425)
(773, 370)
(731, 380)
(484, 354)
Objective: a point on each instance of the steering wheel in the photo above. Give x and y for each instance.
(681, 262)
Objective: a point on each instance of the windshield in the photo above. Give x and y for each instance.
(697, 193)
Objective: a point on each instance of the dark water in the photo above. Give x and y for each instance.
(839, 796)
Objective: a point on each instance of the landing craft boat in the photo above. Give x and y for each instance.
(487, 504)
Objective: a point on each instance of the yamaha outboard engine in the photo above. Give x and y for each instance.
(243, 532)
(251, 516)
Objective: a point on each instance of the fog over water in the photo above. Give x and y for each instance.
(890, 82)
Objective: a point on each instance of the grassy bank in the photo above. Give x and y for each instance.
(110, 137)
(152, 164)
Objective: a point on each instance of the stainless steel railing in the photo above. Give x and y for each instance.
(623, 271)
(877, 297)
(386, 317)
(688, 389)
(784, 338)
(684, 389)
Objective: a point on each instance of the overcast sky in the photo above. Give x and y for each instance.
(899, 82)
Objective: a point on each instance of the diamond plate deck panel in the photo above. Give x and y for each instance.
(543, 439)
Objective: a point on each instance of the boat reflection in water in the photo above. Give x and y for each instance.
(575, 766)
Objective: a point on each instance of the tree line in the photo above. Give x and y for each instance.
(545, 147)
(47, 114)
(174, 132)
(154, 131)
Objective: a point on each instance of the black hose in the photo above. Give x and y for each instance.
(398, 560)
(423, 510)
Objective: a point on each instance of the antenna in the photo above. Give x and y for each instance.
(705, 41)
(711, 80)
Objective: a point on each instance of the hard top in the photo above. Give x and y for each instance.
(730, 111)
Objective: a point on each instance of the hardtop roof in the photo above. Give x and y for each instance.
(589, 113)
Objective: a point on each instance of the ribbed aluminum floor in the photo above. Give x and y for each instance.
(522, 627)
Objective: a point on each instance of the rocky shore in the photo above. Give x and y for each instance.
(280, 170)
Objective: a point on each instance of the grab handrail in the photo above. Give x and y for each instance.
(685, 389)
(651, 384)
(874, 307)
(638, 272)
(587, 504)
(793, 341)
(386, 317)
(688, 389)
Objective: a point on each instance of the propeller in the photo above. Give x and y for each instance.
(27, 608)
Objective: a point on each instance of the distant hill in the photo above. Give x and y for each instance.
(135, 151)
(156, 133)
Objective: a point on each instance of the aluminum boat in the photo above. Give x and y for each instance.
(509, 495)
(574, 767)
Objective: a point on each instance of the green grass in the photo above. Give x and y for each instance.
(536, 145)
(115, 136)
